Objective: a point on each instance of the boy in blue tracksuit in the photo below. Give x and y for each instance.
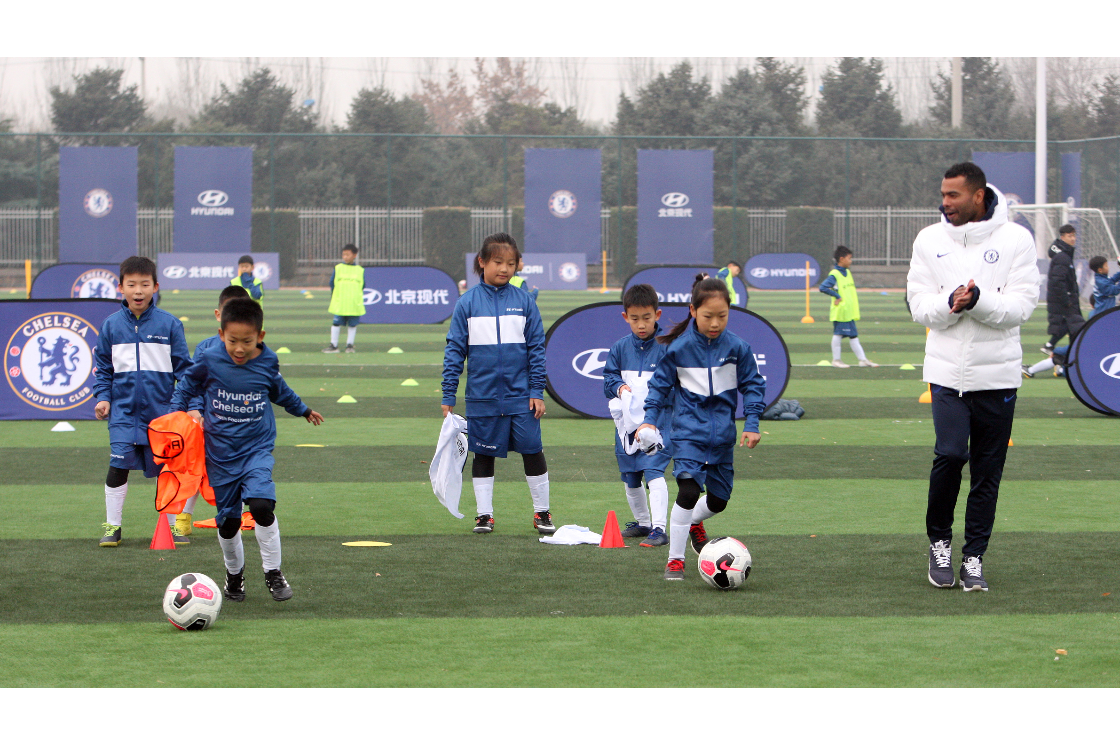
(705, 365)
(499, 327)
(634, 357)
(1105, 288)
(141, 352)
(239, 381)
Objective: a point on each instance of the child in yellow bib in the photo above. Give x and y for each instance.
(844, 311)
(348, 284)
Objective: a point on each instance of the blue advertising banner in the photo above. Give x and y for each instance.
(92, 281)
(1093, 363)
(577, 345)
(213, 199)
(674, 283)
(48, 357)
(1011, 173)
(544, 271)
(675, 223)
(408, 294)
(563, 198)
(781, 271)
(1071, 179)
(97, 189)
(213, 271)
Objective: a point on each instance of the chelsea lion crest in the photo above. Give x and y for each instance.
(991, 256)
(98, 202)
(562, 203)
(98, 284)
(48, 361)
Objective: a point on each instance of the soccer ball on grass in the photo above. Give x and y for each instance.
(192, 602)
(724, 563)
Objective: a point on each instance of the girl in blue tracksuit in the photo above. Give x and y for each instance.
(499, 327)
(705, 366)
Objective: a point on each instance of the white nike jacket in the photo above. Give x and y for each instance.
(976, 349)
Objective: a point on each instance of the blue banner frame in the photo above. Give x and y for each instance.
(674, 283)
(408, 294)
(563, 202)
(97, 203)
(213, 199)
(675, 218)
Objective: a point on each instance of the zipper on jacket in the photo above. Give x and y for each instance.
(499, 373)
(711, 395)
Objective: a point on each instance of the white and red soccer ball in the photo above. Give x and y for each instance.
(724, 563)
(192, 602)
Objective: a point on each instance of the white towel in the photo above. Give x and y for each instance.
(628, 412)
(446, 470)
(572, 535)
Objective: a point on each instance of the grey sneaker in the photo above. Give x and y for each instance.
(635, 530)
(542, 521)
(972, 574)
(277, 585)
(656, 537)
(112, 536)
(349, 349)
(178, 538)
(1027, 371)
(674, 570)
(332, 349)
(940, 565)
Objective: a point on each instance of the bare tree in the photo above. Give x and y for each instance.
(637, 72)
(1072, 78)
(375, 71)
(573, 83)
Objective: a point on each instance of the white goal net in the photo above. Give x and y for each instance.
(1094, 237)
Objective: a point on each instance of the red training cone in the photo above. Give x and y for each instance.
(162, 539)
(612, 536)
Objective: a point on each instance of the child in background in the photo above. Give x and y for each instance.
(239, 381)
(245, 279)
(348, 284)
(141, 352)
(634, 357)
(518, 281)
(844, 311)
(728, 275)
(498, 326)
(1106, 288)
(704, 366)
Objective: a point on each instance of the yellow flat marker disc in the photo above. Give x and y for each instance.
(309, 445)
(366, 543)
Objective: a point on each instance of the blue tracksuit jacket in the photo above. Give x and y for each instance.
(238, 421)
(1105, 290)
(138, 361)
(706, 374)
(630, 358)
(500, 329)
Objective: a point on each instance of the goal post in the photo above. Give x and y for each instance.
(1094, 237)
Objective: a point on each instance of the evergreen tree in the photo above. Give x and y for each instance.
(987, 96)
(1104, 111)
(97, 104)
(784, 85)
(857, 101)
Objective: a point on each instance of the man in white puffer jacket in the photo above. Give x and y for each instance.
(973, 281)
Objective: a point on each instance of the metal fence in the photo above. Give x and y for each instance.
(384, 236)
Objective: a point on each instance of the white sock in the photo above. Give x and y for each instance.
(171, 519)
(1047, 364)
(636, 497)
(679, 522)
(351, 332)
(538, 490)
(857, 348)
(268, 539)
(233, 553)
(658, 502)
(334, 335)
(114, 503)
(701, 512)
(835, 347)
(484, 495)
(188, 506)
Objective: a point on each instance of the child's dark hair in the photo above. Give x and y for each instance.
(138, 265)
(1097, 262)
(229, 292)
(243, 310)
(702, 290)
(246, 259)
(735, 264)
(350, 247)
(487, 250)
(640, 296)
(841, 252)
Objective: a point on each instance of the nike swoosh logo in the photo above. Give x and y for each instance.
(1008, 400)
(944, 254)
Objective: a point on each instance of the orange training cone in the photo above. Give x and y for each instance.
(162, 538)
(612, 536)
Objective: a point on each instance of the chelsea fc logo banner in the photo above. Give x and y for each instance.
(49, 368)
(563, 198)
(213, 199)
(97, 189)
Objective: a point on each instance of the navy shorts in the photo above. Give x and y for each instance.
(715, 478)
(131, 457)
(497, 435)
(346, 320)
(256, 484)
(844, 328)
(633, 466)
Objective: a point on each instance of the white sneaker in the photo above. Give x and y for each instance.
(867, 363)
(838, 363)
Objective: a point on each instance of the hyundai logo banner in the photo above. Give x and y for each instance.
(97, 189)
(88, 281)
(48, 357)
(675, 206)
(213, 271)
(408, 294)
(577, 345)
(562, 201)
(674, 283)
(545, 271)
(213, 199)
(1093, 369)
(781, 271)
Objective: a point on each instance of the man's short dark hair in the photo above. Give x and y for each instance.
(246, 259)
(1067, 229)
(243, 310)
(973, 174)
(640, 296)
(1097, 262)
(141, 265)
(735, 264)
(229, 292)
(350, 247)
(841, 252)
